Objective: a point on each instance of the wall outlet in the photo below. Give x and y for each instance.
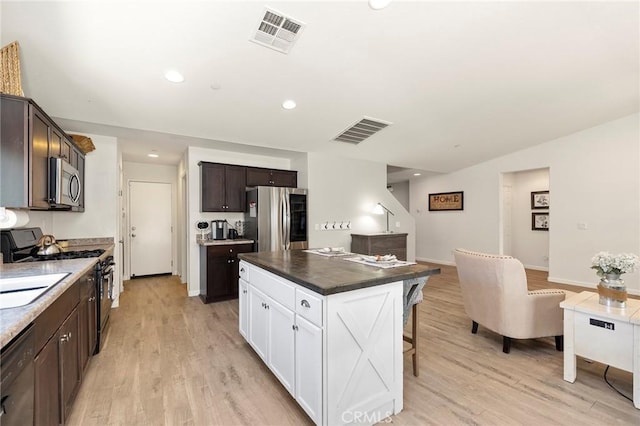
(397, 224)
(316, 227)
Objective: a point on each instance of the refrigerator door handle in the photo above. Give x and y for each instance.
(286, 221)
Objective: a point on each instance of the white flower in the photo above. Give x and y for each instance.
(607, 263)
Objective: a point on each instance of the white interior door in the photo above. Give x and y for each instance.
(150, 228)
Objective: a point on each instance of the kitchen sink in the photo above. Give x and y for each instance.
(20, 291)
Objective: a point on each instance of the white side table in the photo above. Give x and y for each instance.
(604, 334)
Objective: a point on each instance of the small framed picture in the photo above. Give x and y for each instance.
(539, 221)
(540, 200)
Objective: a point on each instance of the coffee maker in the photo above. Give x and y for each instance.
(219, 229)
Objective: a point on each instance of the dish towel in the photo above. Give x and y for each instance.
(412, 294)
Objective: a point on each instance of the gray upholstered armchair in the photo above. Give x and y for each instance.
(495, 295)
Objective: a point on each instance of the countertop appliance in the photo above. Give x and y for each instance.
(276, 218)
(17, 385)
(219, 229)
(65, 185)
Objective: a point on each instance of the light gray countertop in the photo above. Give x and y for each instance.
(14, 320)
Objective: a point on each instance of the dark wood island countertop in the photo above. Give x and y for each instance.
(329, 275)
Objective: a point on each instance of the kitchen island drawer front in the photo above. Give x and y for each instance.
(609, 333)
(309, 306)
(229, 249)
(277, 288)
(50, 320)
(244, 271)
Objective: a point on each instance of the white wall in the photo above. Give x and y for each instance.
(594, 179)
(100, 218)
(143, 172)
(401, 193)
(530, 247)
(193, 157)
(342, 189)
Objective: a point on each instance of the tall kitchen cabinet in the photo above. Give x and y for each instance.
(28, 137)
(222, 187)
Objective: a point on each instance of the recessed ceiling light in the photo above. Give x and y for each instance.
(417, 174)
(153, 155)
(289, 104)
(378, 4)
(174, 76)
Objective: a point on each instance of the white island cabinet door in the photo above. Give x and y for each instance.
(364, 355)
(243, 308)
(258, 322)
(281, 343)
(309, 368)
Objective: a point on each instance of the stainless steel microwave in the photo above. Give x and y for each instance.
(65, 185)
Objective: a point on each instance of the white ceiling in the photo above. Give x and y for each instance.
(462, 82)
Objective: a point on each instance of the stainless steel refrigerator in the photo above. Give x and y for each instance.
(276, 218)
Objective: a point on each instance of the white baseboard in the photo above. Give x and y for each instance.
(193, 293)
(441, 262)
(537, 268)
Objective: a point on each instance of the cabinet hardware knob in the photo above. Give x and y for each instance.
(241, 269)
(305, 304)
(64, 338)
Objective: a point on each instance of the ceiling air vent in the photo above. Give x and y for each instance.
(277, 31)
(361, 130)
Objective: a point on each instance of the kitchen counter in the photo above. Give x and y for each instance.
(329, 275)
(14, 320)
(223, 242)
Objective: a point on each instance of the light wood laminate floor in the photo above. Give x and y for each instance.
(171, 360)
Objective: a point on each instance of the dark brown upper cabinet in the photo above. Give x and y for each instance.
(258, 176)
(222, 187)
(28, 137)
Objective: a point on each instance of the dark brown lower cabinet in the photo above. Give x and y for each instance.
(47, 402)
(57, 374)
(66, 339)
(219, 271)
(69, 338)
(88, 320)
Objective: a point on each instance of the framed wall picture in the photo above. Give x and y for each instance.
(446, 201)
(540, 200)
(539, 221)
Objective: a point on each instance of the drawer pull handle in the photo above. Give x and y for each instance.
(305, 304)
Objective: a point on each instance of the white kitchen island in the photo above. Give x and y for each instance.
(329, 330)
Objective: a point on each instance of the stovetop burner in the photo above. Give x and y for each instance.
(66, 255)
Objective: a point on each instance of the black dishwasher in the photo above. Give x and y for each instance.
(17, 380)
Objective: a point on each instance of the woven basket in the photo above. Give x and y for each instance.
(83, 142)
(10, 82)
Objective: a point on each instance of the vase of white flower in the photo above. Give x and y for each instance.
(609, 267)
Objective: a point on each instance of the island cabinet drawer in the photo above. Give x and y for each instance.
(243, 271)
(276, 287)
(309, 305)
